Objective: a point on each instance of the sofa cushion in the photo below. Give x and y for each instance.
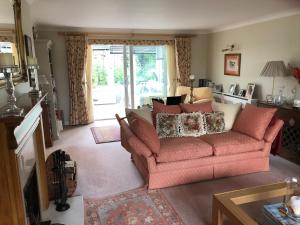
(192, 124)
(198, 93)
(230, 112)
(146, 132)
(232, 143)
(182, 148)
(197, 107)
(214, 122)
(162, 108)
(144, 112)
(254, 121)
(167, 125)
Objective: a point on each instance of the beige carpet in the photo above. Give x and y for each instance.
(110, 171)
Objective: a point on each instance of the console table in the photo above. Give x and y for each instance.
(229, 98)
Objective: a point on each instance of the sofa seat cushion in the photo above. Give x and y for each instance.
(232, 143)
(182, 148)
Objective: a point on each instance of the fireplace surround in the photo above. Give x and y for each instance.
(22, 165)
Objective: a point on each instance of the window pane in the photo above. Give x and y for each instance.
(5, 47)
(150, 73)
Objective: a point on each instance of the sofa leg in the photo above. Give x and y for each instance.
(146, 186)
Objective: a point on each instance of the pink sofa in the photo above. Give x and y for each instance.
(189, 159)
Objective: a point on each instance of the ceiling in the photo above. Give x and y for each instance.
(172, 15)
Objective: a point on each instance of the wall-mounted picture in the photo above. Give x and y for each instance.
(250, 90)
(232, 64)
(242, 93)
(28, 46)
(231, 89)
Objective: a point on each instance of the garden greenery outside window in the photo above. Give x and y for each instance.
(128, 74)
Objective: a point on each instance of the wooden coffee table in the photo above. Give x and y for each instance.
(229, 203)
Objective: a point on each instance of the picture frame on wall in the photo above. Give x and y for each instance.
(250, 90)
(232, 64)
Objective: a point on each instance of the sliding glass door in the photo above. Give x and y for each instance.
(127, 76)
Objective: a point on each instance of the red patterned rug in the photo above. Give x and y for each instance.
(136, 207)
(106, 134)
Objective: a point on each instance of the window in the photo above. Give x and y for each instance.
(127, 76)
(5, 47)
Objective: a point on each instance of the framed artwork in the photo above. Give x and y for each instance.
(232, 64)
(250, 90)
(231, 89)
(28, 46)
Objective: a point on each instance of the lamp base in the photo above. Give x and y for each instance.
(9, 110)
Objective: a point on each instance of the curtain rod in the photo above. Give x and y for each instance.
(130, 35)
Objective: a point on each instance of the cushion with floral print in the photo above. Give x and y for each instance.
(167, 125)
(214, 122)
(192, 124)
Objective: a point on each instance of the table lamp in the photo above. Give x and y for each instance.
(274, 69)
(8, 67)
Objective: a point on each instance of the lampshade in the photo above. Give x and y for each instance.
(31, 61)
(6, 60)
(274, 69)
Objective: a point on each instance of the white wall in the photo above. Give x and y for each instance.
(27, 29)
(60, 70)
(273, 40)
(199, 56)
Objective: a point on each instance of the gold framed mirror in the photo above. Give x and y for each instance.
(12, 39)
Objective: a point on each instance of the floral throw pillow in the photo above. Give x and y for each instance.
(214, 122)
(167, 125)
(192, 124)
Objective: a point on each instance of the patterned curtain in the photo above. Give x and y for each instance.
(183, 49)
(76, 48)
(129, 42)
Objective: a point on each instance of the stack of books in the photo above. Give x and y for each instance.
(275, 216)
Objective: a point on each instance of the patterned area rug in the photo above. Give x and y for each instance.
(136, 207)
(106, 134)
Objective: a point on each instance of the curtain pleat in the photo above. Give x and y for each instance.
(183, 47)
(171, 67)
(76, 48)
(89, 85)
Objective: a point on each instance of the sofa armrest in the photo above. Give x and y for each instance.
(272, 130)
(139, 147)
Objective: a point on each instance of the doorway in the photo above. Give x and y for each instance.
(126, 77)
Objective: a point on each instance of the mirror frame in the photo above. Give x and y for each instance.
(22, 75)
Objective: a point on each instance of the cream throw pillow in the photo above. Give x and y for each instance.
(230, 112)
(142, 112)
